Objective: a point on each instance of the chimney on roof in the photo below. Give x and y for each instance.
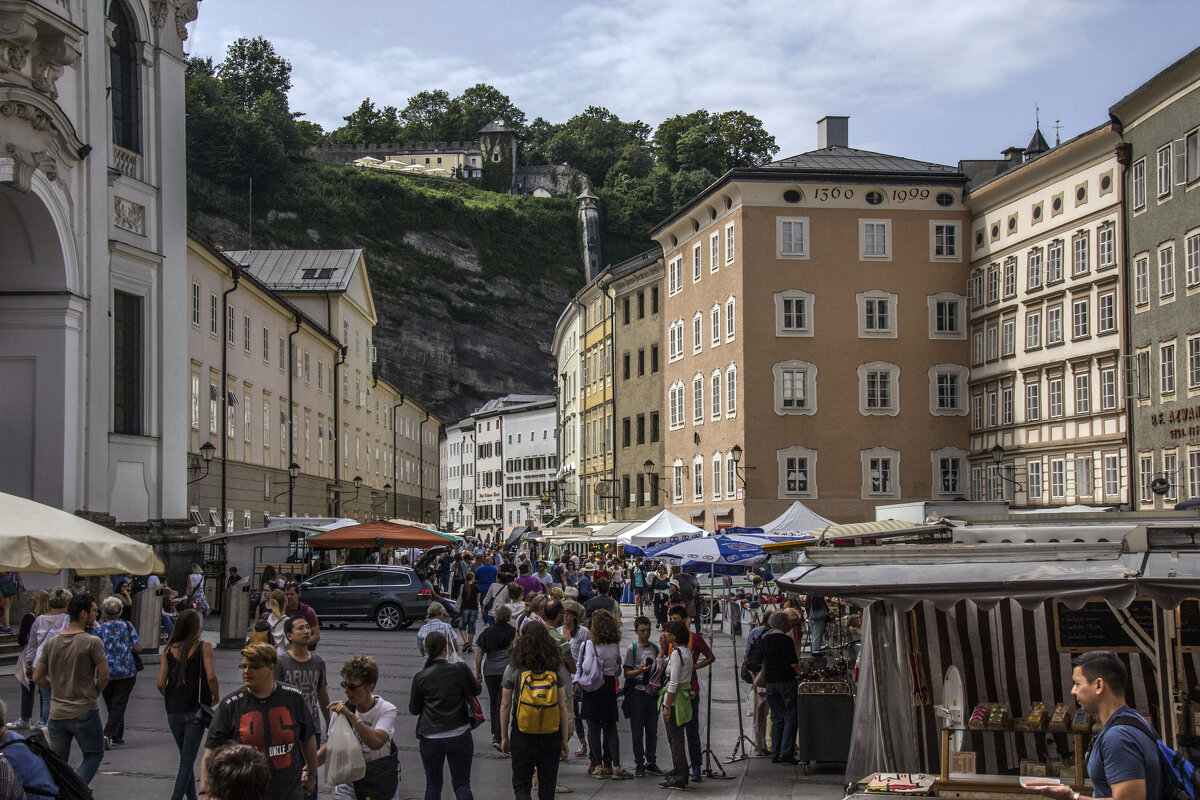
(1013, 154)
(833, 132)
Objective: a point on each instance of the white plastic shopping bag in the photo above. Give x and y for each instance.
(344, 762)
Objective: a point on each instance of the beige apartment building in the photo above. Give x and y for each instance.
(815, 330)
(1048, 423)
(637, 287)
(276, 393)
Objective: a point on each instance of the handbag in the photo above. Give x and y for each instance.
(474, 710)
(588, 675)
(138, 664)
(381, 779)
(658, 678)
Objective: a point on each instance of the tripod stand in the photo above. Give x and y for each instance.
(739, 748)
(710, 758)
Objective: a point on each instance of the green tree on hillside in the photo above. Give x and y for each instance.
(479, 105)
(425, 117)
(713, 142)
(368, 125)
(251, 67)
(592, 142)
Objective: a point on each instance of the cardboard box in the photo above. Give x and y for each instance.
(962, 761)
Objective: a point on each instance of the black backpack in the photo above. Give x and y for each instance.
(753, 662)
(70, 785)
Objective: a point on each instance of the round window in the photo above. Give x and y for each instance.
(874, 198)
(791, 196)
(995, 231)
(1105, 182)
(1012, 224)
(1037, 212)
(1081, 194)
(1057, 204)
(945, 199)
(979, 238)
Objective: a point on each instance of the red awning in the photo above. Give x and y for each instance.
(368, 534)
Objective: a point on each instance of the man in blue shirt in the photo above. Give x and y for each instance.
(1124, 764)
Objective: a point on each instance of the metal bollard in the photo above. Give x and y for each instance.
(235, 616)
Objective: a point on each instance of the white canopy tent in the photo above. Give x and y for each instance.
(797, 519)
(663, 527)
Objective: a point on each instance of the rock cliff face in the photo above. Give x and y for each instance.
(468, 288)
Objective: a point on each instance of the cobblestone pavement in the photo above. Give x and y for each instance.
(145, 766)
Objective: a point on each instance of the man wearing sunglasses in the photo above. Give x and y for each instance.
(271, 717)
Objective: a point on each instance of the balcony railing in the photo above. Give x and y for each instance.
(128, 162)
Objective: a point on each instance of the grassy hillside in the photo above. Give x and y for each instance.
(468, 284)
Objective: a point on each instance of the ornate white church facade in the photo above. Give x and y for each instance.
(93, 273)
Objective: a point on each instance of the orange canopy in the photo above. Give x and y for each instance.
(369, 534)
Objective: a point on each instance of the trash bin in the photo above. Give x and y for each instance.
(235, 615)
(147, 618)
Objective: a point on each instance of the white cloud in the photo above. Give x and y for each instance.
(787, 62)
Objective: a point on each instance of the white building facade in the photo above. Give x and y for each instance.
(530, 462)
(1046, 307)
(93, 214)
(458, 476)
(566, 355)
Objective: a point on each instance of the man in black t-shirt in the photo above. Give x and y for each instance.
(271, 717)
(780, 668)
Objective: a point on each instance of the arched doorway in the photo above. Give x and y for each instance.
(41, 318)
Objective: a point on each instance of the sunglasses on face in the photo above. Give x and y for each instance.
(351, 686)
(245, 667)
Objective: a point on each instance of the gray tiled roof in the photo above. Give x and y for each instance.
(847, 159)
(285, 270)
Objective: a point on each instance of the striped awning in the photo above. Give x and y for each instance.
(855, 530)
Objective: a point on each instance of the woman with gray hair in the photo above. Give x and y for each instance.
(121, 646)
(44, 628)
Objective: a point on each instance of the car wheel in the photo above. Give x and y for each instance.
(389, 617)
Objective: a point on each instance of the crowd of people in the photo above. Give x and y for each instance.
(542, 638)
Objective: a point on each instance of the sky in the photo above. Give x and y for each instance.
(935, 80)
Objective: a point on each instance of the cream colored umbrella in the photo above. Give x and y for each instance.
(39, 538)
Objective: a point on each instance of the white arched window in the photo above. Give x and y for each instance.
(698, 399)
(715, 392)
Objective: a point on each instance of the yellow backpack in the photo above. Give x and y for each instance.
(537, 702)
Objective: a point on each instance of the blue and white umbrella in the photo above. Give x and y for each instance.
(718, 555)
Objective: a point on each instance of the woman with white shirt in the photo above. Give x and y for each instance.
(598, 707)
(675, 699)
(45, 627)
(373, 721)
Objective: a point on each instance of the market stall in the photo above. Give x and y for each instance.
(1007, 606)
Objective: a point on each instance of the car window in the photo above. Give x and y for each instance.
(362, 579)
(326, 580)
(395, 579)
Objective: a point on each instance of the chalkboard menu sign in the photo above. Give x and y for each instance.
(1095, 627)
